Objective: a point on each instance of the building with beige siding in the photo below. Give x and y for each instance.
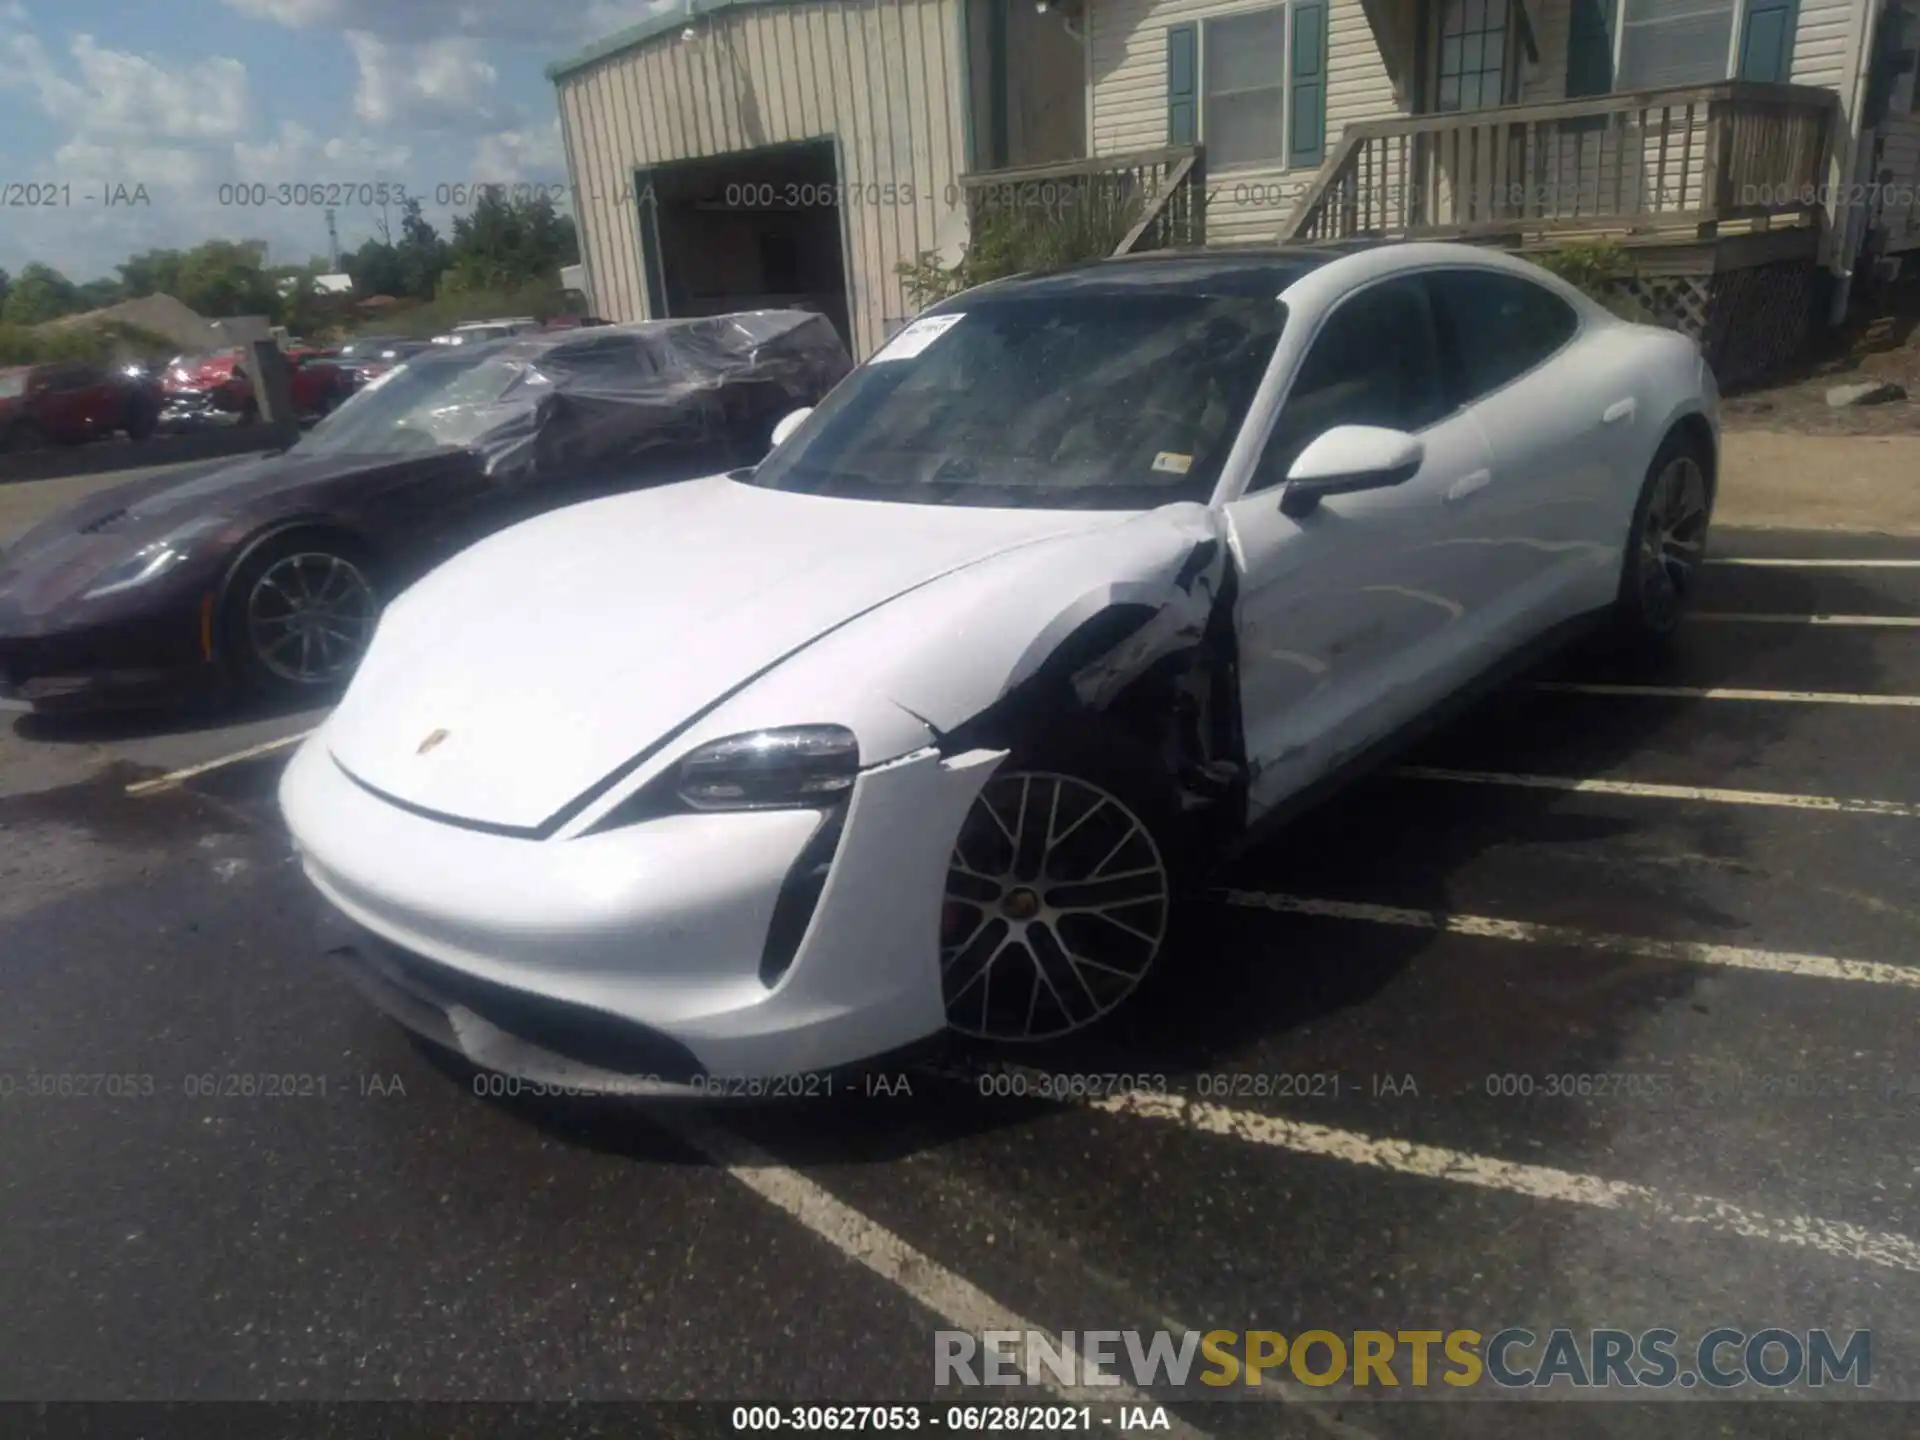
(738, 153)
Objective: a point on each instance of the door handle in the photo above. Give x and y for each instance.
(1619, 410)
(1468, 484)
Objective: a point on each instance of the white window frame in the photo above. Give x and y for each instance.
(1729, 71)
(1284, 9)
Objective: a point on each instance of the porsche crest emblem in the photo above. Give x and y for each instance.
(431, 741)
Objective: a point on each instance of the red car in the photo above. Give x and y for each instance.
(70, 402)
(218, 385)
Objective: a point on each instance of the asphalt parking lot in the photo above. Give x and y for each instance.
(1697, 890)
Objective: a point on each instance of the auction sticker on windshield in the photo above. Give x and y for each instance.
(917, 337)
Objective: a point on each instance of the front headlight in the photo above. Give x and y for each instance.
(146, 564)
(797, 765)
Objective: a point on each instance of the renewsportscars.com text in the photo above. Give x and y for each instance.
(1514, 1358)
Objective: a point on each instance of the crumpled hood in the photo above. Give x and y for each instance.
(554, 652)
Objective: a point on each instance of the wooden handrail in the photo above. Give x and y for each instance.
(1158, 206)
(1741, 149)
(1141, 199)
(1077, 169)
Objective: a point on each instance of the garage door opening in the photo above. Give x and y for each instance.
(756, 229)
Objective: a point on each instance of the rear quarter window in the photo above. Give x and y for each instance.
(1501, 326)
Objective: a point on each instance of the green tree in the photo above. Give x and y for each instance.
(422, 254)
(224, 277)
(6, 284)
(40, 293)
(507, 243)
(375, 269)
(216, 278)
(151, 272)
(98, 294)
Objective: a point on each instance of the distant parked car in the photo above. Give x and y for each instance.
(269, 571)
(364, 360)
(475, 332)
(70, 402)
(213, 389)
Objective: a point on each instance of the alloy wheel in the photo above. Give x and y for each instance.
(1056, 906)
(310, 616)
(1672, 540)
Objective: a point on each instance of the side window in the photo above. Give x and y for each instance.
(1374, 362)
(1501, 326)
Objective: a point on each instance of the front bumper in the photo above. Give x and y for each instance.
(635, 961)
(152, 658)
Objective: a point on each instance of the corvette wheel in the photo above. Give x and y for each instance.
(1057, 904)
(1667, 544)
(303, 614)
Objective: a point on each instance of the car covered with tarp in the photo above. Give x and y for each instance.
(269, 571)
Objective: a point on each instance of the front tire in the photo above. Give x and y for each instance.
(300, 613)
(1062, 892)
(1666, 544)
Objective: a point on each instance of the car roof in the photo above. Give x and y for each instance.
(1266, 270)
(1257, 269)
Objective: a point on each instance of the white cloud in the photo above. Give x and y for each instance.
(173, 170)
(509, 155)
(443, 83)
(555, 22)
(115, 92)
(297, 155)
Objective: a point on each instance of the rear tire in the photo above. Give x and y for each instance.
(1666, 544)
(1063, 892)
(299, 614)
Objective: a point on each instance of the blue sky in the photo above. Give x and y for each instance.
(183, 97)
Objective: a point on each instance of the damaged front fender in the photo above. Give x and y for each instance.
(1130, 626)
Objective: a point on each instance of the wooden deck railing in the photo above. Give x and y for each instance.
(1117, 204)
(1647, 160)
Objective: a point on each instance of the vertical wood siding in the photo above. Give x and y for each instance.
(882, 78)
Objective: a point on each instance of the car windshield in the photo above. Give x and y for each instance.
(438, 402)
(1121, 399)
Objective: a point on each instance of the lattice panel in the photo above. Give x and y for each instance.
(1751, 321)
(1679, 301)
(1758, 319)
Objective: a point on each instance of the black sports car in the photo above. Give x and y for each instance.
(268, 572)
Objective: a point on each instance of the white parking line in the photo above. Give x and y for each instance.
(1738, 617)
(1694, 952)
(1689, 692)
(1644, 790)
(175, 777)
(955, 1299)
(1835, 563)
(1540, 1182)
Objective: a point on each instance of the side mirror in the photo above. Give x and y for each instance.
(784, 430)
(1349, 458)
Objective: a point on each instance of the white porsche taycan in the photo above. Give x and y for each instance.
(927, 724)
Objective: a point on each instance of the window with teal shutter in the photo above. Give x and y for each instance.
(1183, 84)
(1307, 102)
(1589, 48)
(1766, 50)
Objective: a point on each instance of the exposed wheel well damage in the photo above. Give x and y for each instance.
(1158, 665)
